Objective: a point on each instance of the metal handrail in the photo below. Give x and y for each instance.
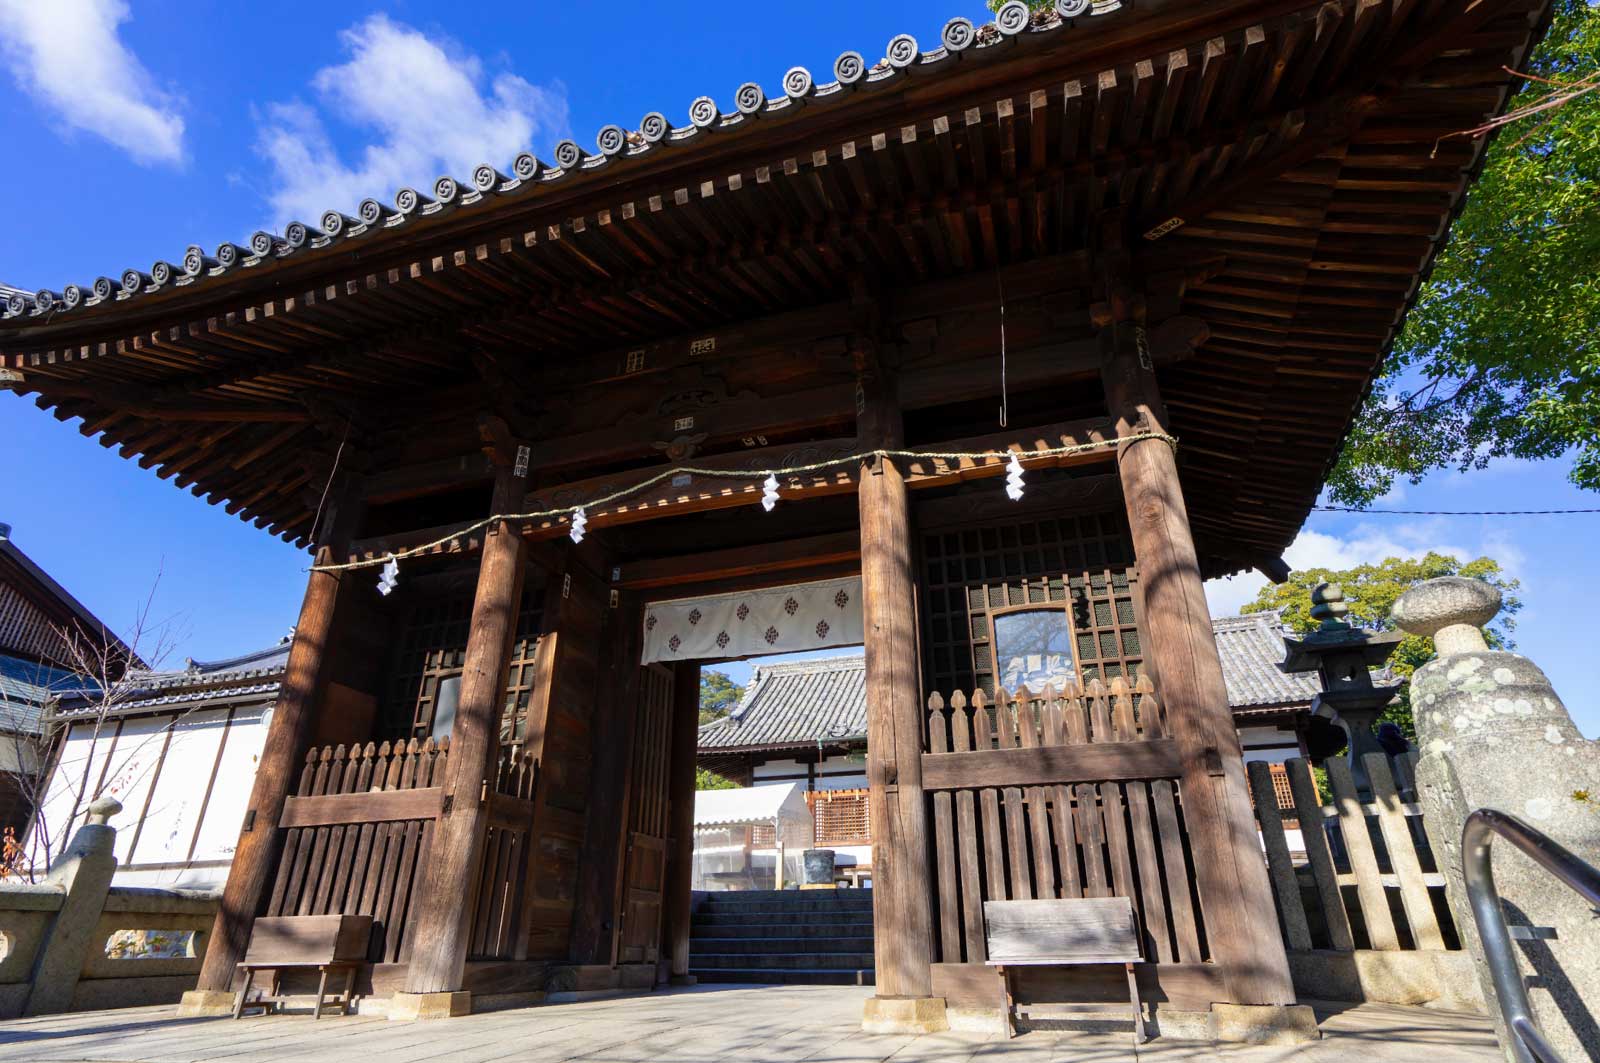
(1528, 1043)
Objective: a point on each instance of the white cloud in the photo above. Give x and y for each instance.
(1366, 545)
(429, 107)
(66, 54)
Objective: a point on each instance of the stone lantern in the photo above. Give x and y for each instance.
(1344, 657)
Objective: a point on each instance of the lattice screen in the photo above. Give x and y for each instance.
(1085, 560)
(841, 817)
(433, 646)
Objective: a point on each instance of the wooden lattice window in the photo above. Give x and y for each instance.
(1084, 563)
(841, 817)
(522, 676)
(1104, 605)
(763, 836)
(433, 647)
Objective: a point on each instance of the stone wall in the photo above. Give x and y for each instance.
(74, 942)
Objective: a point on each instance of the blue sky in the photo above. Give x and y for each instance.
(134, 129)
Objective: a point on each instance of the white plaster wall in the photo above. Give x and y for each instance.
(834, 772)
(83, 756)
(176, 796)
(1271, 746)
(236, 774)
(180, 789)
(18, 754)
(132, 771)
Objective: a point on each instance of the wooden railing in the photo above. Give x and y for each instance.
(360, 826)
(1070, 793)
(497, 914)
(1367, 878)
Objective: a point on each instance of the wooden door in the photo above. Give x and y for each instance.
(645, 866)
(643, 883)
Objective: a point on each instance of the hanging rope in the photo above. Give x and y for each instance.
(743, 474)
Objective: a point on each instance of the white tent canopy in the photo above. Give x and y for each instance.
(751, 806)
(726, 852)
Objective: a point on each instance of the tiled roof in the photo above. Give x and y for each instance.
(800, 703)
(1251, 647)
(960, 44)
(25, 687)
(43, 583)
(249, 677)
(796, 704)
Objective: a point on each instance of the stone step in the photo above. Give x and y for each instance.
(799, 903)
(845, 893)
(781, 961)
(842, 917)
(811, 946)
(790, 929)
(746, 976)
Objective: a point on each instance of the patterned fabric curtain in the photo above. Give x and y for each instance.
(804, 616)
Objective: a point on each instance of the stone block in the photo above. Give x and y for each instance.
(412, 1007)
(904, 1015)
(205, 1003)
(1264, 1024)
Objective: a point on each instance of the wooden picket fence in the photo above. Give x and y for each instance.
(1367, 877)
(358, 830)
(1068, 793)
(497, 915)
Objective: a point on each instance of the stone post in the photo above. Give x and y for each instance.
(83, 873)
(1493, 734)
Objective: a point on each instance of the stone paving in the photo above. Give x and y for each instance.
(781, 1024)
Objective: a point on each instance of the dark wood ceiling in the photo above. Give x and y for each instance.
(1298, 144)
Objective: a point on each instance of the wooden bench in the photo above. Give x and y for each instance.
(323, 943)
(1062, 933)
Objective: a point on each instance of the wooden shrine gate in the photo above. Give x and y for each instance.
(645, 871)
(1071, 793)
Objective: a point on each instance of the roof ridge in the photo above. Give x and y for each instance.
(904, 59)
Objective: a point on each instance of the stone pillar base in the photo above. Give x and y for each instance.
(904, 1015)
(205, 1003)
(413, 1006)
(683, 979)
(1264, 1024)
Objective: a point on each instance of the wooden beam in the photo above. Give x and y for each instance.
(902, 894)
(443, 922)
(698, 493)
(1048, 765)
(1231, 875)
(677, 899)
(381, 807)
(741, 561)
(305, 677)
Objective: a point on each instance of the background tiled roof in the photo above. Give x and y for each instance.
(800, 703)
(796, 703)
(1251, 647)
(251, 676)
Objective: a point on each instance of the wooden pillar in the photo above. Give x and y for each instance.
(444, 917)
(677, 902)
(1235, 894)
(255, 859)
(901, 895)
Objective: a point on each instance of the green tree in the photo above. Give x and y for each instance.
(1371, 590)
(1498, 357)
(718, 695)
(705, 779)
